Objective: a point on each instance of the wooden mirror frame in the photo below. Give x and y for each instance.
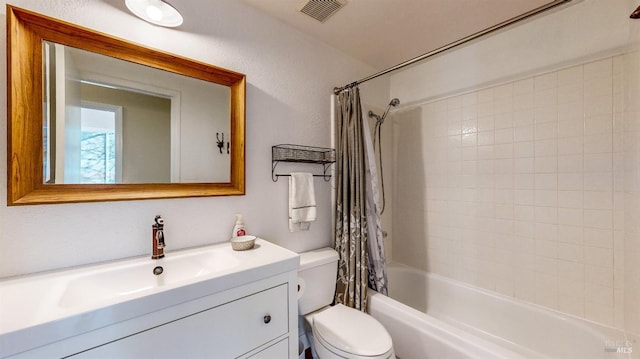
(26, 31)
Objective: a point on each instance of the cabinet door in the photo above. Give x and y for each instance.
(226, 331)
(279, 350)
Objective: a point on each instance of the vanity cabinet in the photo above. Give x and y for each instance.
(230, 330)
(244, 307)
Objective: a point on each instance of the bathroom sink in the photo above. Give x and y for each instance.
(61, 304)
(129, 279)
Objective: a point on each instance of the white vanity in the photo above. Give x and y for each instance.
(209, 302)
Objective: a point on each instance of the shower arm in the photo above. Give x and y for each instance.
(464, 40)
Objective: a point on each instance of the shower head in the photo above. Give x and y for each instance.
(395, 102)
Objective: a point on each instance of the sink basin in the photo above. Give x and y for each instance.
(107, 284)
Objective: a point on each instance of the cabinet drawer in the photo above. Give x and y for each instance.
(225, 331)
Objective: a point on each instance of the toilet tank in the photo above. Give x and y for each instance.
(316, 279)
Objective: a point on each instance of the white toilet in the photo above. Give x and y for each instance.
(338, 331)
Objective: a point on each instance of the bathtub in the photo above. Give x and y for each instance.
(430, 316)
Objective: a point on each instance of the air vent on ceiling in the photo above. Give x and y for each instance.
(321, 10)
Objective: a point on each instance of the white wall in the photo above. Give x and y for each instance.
(289, 80)
(522, 152)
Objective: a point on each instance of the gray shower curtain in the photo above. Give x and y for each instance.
(351, 224)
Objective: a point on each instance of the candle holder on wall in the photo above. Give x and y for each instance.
(220, 143)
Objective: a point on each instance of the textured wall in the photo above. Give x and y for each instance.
(289, 79)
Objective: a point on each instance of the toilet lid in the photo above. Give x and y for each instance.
(352, 331)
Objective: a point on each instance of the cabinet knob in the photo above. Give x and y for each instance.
(267, 319)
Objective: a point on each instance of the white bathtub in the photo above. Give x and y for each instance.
(455, 320)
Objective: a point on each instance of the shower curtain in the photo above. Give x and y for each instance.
(351, 219)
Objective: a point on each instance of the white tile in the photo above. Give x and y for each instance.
(598, 162)
(600, 143)
(598, 200)
(523, 86)
(469, 153)
(570, 234)
(546, 198)
(599, 294)
(546, 97)
(546, 181)
(570, 146)
(486, 123)
(547, 147)
(523, 149)
(598, 68)
(546, 215)
(469, 99)
(485, 95)
(570, 216)
(595, 218)
(598, 181)
(545, 81)
(598, 237)
(570, 199)
(503, 151)
(570, 252)
(546, 231)
(597, 106)
(546, 113)
(503, 120)
(571, 128)
(504, 135)
(454, 102)
(600, 257)
(570, 93)
(546, 165)
(523, 117)
(571, 271)
(469, 139)
(524, 165)
(570, 76)
(570, 181)
(598, 124)
(598, 275)
(469, 126)
(524, 213)
(525, 133)
(546, 130)
(524, 229)
(503, 165)
(523, 101)
(598, 87)
(571, 111)
(485, 138)
(524, 197)
(570, 163)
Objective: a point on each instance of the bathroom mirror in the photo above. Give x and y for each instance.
(189, 140)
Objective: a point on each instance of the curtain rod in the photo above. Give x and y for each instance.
(457, 43)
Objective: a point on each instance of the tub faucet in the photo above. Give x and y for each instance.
(158, 238)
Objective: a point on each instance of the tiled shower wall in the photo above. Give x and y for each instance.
(525, 188)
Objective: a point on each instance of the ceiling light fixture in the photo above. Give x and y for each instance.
(157, 12)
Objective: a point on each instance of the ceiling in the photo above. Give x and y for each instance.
(383, 33)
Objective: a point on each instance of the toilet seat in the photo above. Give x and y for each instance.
(350, 333)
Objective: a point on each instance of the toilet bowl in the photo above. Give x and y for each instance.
(338, 331)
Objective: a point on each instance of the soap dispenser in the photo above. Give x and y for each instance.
(239, 229)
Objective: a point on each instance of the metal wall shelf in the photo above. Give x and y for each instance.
(302, 154)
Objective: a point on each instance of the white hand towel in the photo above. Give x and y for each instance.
(302, 201)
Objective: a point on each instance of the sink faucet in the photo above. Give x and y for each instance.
(158, 238)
